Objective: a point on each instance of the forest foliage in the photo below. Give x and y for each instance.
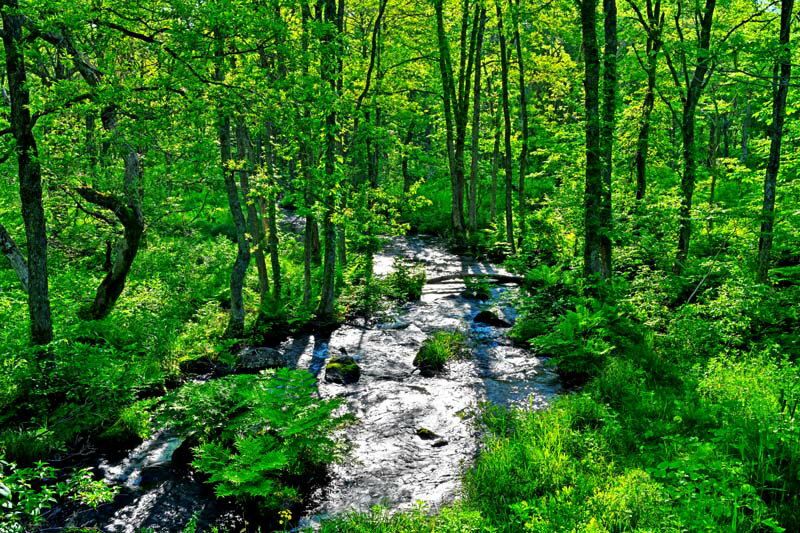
(181, 179)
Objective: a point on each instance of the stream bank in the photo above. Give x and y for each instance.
(413, 436)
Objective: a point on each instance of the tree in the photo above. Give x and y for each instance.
(239, 269)
(29, 172)
(596, 259)
(330, 72)
(653, 25)
(523, 111)
(507, 122)
(692, 92)
(476, 126)
(783, 70)
(456, 96)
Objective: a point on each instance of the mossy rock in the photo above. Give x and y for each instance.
(490, 318)
(342, 369)
(426, 434)
(437, 350)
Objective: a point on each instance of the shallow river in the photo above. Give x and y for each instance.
(390, 465)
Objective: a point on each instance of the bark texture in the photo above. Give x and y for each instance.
(30, 175)
(783, 75)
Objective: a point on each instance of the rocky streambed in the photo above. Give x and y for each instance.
(413, 436)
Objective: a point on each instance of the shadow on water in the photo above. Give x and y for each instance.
(391, 464)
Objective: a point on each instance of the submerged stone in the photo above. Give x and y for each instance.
(426, 434)
(490, 318)
(342, 369)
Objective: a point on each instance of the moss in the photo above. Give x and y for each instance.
(342, 369)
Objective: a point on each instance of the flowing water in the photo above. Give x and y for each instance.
(413, 436)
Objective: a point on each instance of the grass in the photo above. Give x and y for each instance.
(438, 349)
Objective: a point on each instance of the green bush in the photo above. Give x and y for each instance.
(438, 349)
(581, 341)
(754, 401)
(406, 281)
(259, 435)
(27, 493)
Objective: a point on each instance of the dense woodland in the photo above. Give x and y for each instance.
(184, 178)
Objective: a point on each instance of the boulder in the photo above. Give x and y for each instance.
(490, 318)
(426, 434)
(342, 369)
(255, 359)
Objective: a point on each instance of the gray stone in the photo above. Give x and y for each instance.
(490, 318)
(255, 359)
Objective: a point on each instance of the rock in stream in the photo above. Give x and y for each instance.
(413, 436)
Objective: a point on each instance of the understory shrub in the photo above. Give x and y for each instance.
(26, 494)
(260, 436)
(406, 281)
(438, 349)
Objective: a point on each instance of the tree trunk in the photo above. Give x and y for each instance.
(507, 123)
(329, 74)
(407, 179)
(693, 94)
(476, 113)
(244, 151)
(653, 26)
(129, 213)
(30, 176)
(745, 131)
(495, 164)
(456, 160)
(783, 74)
(715, 130)
(523, 106)
(593, 256)
(235, 326)
(607, 130)
(272, 219)
(10, 249)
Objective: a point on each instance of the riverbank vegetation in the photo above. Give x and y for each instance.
(182, 181)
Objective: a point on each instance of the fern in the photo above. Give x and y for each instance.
(256, 430)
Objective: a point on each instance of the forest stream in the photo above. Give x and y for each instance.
(413, 435)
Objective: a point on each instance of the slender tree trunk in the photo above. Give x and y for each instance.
(654, 27)
(693, 94)
(476, 113)
(235, 326)
(607, 130)
(782, 75)
(507, 123)
(713, 147)
(745, 131)
(329, 72)
(244, 151)
(30, 175)
(643, 141)
(272, 219)
(10, 249)
(407, 179)
(523, 106)
(593, 257)
(455, 156)
(495, 164)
